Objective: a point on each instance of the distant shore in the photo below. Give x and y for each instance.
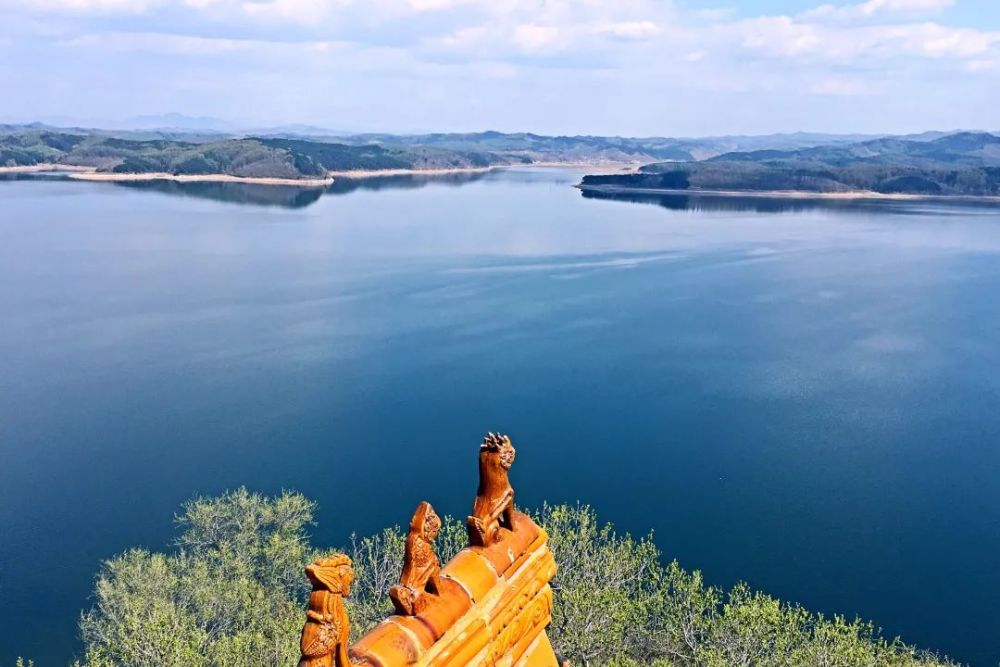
(36, 168)
(200, 178)
(595, 167)
(92, 174)
(852, 195)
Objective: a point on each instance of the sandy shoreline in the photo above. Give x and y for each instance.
(600, 167)
(376, 173)
(91, 173)
(201, 178)
(36, 168)
(852, 195)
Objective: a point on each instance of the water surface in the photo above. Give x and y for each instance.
(801, 395)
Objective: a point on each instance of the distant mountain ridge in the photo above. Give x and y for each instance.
(178, 121)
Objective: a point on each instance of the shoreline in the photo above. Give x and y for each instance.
(81, 173)
(852, 195)
(600, 167)
(200, 178)
(84, 173)
(421, 171)
(42, 167)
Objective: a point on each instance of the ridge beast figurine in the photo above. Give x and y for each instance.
(327, 629)
(494, 506)
(420, 563)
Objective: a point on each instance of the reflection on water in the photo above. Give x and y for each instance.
(35, 176)
(287, 196)
(402, 181)
(764, 204)
(291, 196)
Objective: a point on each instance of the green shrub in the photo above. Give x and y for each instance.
(232, 594)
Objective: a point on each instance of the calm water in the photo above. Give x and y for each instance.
(802, 396)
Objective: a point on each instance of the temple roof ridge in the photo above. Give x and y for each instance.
(489, 605)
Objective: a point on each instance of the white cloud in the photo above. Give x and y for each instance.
(629, 30)
(436, 5)
(872, 8)
(533, 38)
(717, 14)
(780, 35)
(296, 11)
(157, 43)
(625, 31)
(936, 41)
(464, 39)
(92, 5)
(783, 36)
(300, 11)
(845, 50)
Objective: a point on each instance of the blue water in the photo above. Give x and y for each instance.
(802, 396)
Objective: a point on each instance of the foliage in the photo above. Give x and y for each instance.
(965, 163)
(617, 604)
(232, 594)
(962, 163)
(252, 157)
(377, 561)
(501, 147)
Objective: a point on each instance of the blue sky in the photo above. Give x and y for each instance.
(626, 67)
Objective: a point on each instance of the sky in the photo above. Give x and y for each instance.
(610, 67)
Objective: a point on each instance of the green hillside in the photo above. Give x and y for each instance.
(289, 154)
(964, 163)
(250, 157)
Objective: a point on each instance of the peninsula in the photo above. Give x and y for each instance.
(963, 164)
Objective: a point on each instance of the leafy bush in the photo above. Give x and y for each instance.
(232, 594)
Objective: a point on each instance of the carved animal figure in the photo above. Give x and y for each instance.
(420, 563)
(327, 628)
(494, 506)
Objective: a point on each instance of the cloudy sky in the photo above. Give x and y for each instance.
(628, 67)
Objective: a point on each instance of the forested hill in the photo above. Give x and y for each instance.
(290, 155)
(964, 163)
(250, 157)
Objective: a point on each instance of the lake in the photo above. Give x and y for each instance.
(802, 395)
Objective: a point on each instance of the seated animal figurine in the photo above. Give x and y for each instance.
(325, 634)
(420, 563)
(494, 506)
